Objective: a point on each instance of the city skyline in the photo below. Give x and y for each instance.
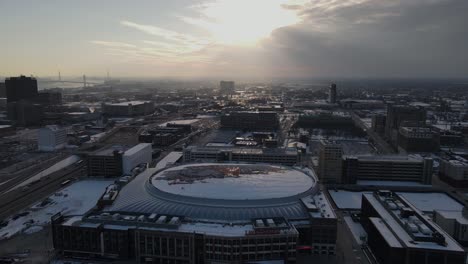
(235, 39)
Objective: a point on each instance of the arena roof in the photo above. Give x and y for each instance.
(232, 182)
(142, 196)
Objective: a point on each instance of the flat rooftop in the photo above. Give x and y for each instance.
(109, 150)
(415, 231)
(137, 148)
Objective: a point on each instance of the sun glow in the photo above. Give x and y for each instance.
(242, 22)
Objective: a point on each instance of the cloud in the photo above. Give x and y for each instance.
(112, 44)
(383, 38)
(167, 35)
(336, 38)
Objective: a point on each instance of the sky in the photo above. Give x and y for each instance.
(248, 39)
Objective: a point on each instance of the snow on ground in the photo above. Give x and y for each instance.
(54, 168)
(428, 202)
(347, 199)
(75, 199)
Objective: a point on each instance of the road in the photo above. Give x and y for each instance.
(382, 146)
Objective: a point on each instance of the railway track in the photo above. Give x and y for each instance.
(16, 200)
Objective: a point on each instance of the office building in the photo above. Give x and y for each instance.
(330, 161)
(332, 94)
(397, 232)
(18, 88)
(226, 87)
(204, 213)
(387, 168)
(284, 156)
(402, 115)
(51, 138)
(418, 139)
(249, 120)
(131, 108)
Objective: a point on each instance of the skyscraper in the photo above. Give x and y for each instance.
(22, 87)
(332, 94)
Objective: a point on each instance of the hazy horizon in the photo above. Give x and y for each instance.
(247, 40)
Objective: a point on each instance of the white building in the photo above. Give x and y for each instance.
(455, 223)
(51, 138)
(140, 153)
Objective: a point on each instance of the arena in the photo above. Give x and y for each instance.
(205, 213)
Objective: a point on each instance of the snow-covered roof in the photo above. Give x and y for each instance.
(140, 196)
(391, 225)
(137, 148)
(250, 181)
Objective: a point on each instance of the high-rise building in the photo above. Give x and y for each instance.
(226, 87)
(22, 87)
(332, 94)
(51, 138)
(387, 168)
(330, 162)
(402, 115)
